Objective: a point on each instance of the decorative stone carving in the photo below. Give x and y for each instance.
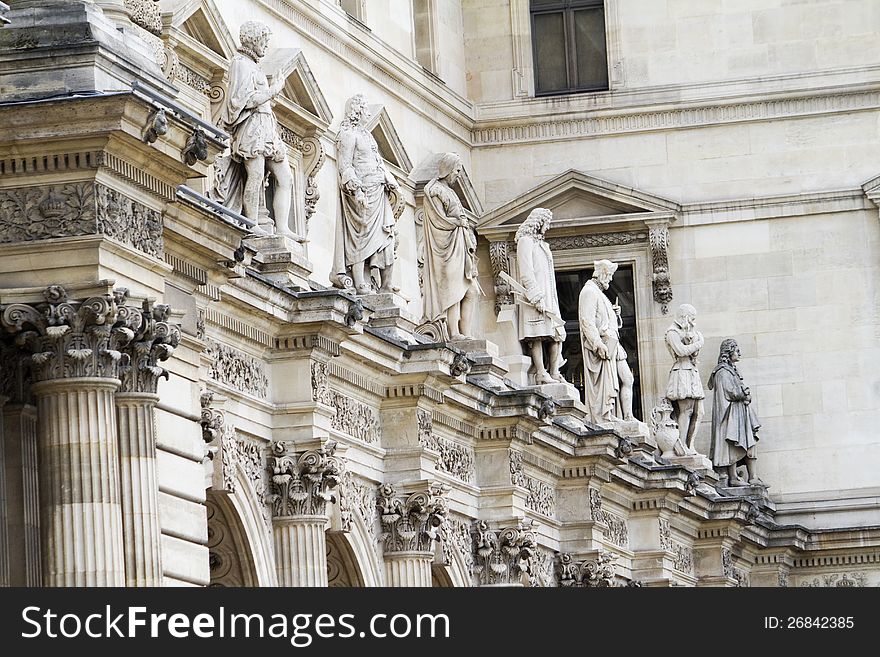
(782, 579)
(624, 448)
(734, 422)
(449, 275)
(726, 562)
(665, 535)
(355, 313)
(363, 498)
(615, 530)
(321, 391)
(843, 580)
(457, 541)
(587, 574)
(568, 242)
(313, 153)
(145, 14)
(538, 304)
(543, 569)
(460, 365)
(665, 431)
(498, 258)
(542, 496)
(74, 209)
(742, 578)
(256, 146)
(547, 410)
(683, 561)
(194, 80)
(69, 338)
(693, 482)
(411, 523)
(196, 147)
(301, 483)
(503, 556)
(352, 416)
(455, 459)
(608, 379)
(366, 235)
(658, 237)
(237, 370)
(157, 125)
(684, 388)
(155, 341)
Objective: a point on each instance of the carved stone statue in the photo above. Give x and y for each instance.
(684, 388)
(539, 319)
(734, 422)
(256, 142)
(367, 217)
(450, 273)
(608, 381)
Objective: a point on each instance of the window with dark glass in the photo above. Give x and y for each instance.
(568, 40)
(621, 291)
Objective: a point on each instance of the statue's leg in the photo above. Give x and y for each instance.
(696, 418)
(385, 274)
(732, 477)
(554, 354)
(750, 468)
(466, 312)
(453, 321)
(283, 192)
(685, 415)
(253, 187)
(626, 389)
(358, 275)
(536, 348)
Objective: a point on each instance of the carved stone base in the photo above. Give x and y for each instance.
(696, 462)
(385, 301)
(559, 391)
(389, 314)
(635, 430)
(518, 369)
(750, 492)
(476, 346)
(282, 260)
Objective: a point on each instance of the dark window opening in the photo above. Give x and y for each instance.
(621, 290)
(568, 42)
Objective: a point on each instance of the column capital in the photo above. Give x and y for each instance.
(72, 339)
(504, 556)
(301, 483)
(155, 341)
(589, 573)
(411, 522)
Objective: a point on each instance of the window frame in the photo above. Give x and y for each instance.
(567, 8)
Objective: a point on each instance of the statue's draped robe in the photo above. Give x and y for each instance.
(598, 323)
(684, 377)
(367, 218)
(450, 250)
(734, 423)
(536, 274)
(253, 127)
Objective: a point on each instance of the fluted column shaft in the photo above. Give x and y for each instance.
(23, 499)
(139, 488)
(301, 550)
(4, 507)
(408, 569)
(80, 503)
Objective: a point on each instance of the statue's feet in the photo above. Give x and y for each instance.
(364, 289)
(557, 376)
(459, 336)
(543, 377)
(736, 482)
(756, 481)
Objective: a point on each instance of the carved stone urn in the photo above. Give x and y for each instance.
(665, 430)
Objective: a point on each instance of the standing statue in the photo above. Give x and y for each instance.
(734, 423)
(367, 217)
(684, 388)
(450, 273)
(256, 144)
(539, 318)
(608, 381)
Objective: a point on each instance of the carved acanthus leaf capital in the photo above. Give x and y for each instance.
(598, 572)
(302, 483)
(411, 523)
(504, 556)
(154, 342)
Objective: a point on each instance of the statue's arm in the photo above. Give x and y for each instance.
(733, 389)
(534, 294)
(345, 147)
(679, 348)
(587, 307)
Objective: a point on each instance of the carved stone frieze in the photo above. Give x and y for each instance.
(665, 535)
(457, 541)
(567, 242)
(684, 558)
(543, 573)
(67, 338)
(843, 580)
(194, 80)
(658, 237)
(155, 341)
(499, 259)
(503, 556)
(352, 416)
(615, 531)
(314, 156)
(302, 483)
(74, 209)
(145, 14)
(455, 459)
(742, 578)
(726, 562)
(411, 523)
(237, 370)
(589, 573)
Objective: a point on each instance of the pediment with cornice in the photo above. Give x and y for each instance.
(390, 146)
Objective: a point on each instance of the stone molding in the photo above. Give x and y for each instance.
(503, 556)
(236, 369)
(456, 460)
(239, 327)
(75, 209)
(590, 573)
(412, 522)
(302, 483)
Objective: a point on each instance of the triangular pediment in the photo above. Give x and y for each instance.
(576, 198)
(390, 147)
(200, 20)
(429, 169)
(300, 87)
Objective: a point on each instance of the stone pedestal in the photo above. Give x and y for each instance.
(476, 346)
(22, 503)
(696, 462)
(81, 513)
(404, 569)
(518, 369)
(139, 488)
(301, 551)
(559, 391)
(282, 260)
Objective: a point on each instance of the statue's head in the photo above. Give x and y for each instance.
(450, 167)
(537, 223)
(355, 110)
(254, 37)
(686, 315)
(603, 272)
(728, 354)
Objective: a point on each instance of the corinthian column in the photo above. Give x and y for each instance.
(75, 353)
(411, 523)
(135, 407)
(504, 557)
(300, 484)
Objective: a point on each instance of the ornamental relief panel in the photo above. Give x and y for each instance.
(236, 369)
(352, 417)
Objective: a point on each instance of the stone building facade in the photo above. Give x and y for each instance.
(188, 402)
